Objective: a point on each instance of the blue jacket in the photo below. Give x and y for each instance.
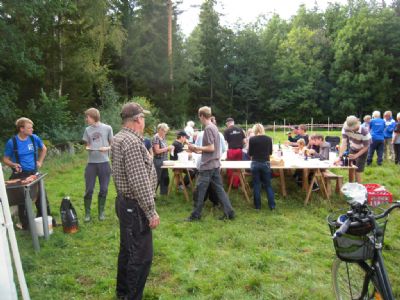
(377, 127)
(390, 125)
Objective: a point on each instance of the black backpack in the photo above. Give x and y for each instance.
(69, 217)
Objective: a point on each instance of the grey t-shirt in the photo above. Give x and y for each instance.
(96, 136)
(210, 160)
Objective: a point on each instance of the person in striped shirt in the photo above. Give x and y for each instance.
(356, 140)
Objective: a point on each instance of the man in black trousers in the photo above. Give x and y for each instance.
(135, 180)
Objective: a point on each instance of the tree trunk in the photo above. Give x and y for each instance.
(61, 62)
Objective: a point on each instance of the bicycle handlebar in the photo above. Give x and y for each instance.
(343, 229)
(348, 223)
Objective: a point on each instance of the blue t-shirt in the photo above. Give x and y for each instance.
(377, 126)
(25, 151)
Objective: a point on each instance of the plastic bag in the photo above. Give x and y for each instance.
(355, 193)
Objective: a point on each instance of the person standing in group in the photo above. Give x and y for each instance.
(209, 172)
(24, 154)
(367, 121)
(390, 124)
(189, 129)
(355, 139)
(135, 181)
(396, 141)
(377, 127)
(260, 150)
(98, 138)
(160, 151)
(236, 138)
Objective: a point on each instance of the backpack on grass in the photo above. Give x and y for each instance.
(69, 217)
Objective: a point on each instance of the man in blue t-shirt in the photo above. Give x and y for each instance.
(24, 154)
(377, 127)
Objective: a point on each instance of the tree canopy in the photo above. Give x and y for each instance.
(69, 55)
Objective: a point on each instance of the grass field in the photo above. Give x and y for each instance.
(285, 254)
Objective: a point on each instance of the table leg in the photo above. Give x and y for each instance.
(283, 182)
(243, 184)
(44, 209)
(322, 183)
(352, 174)
(190, 179)
(309, 190)
(305, 179)
(32, 227)
(183, 185)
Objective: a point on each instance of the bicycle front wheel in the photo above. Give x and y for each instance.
(348, 281)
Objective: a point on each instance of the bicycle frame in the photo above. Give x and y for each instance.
(376, 272)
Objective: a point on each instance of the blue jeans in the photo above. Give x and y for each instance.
(261, 172)
(205, 179)
(378, 147)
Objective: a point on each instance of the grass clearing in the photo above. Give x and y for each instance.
(286, 254)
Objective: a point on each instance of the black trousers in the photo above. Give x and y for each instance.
(22, 213)
(135, 249)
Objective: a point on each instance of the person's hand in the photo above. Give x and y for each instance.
(353, 156)
(104, 149)
(337, 161)
(39, 164)
(286, 143)
(192, 147)
(17, 168)
(154, 222)
(311, 151)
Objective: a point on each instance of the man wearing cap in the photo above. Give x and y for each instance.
(295, 132)
(356, 140)
(209, 171)
(135, 181)
(236, 138)
(178, 144)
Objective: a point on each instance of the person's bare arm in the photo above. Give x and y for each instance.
(200, 149)
(7, 160)
(42, 155)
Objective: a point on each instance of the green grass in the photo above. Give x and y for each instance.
(286, 254)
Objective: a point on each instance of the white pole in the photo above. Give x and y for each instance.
(312, 122)
(246, 126)
(11, 236)
(274, 131)
(284, 127)
(328, 124)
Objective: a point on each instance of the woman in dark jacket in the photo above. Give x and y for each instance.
(260, 149)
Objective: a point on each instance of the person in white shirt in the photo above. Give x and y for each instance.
(189, 129)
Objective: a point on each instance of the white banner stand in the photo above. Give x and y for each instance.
(7, 286)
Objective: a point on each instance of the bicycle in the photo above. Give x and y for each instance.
(359, 272)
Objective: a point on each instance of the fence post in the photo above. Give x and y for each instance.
(284, 127)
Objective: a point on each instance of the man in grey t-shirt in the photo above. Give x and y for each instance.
(98, 138)
(209, 168)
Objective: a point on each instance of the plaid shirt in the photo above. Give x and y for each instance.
(133, 170)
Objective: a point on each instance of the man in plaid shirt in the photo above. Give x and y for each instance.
(135, 180)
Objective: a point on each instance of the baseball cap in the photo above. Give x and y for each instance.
(132, 109)
(229, 120)
(182, 133)
(351, 123)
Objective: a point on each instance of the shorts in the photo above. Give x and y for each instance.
(360, 162)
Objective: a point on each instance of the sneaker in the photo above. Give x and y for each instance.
(315, 187)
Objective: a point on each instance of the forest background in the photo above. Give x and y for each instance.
(59, 57)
